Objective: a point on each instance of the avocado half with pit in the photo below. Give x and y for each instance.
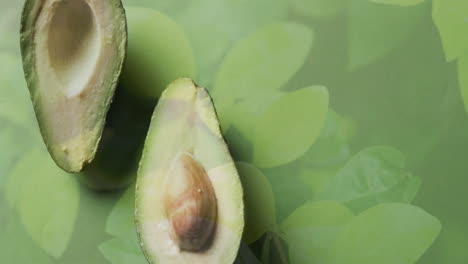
(189, 200)
(73, 51)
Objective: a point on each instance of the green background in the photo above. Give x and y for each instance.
(347, 119)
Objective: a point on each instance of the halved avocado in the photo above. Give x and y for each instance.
(73, 51)
(189, 199)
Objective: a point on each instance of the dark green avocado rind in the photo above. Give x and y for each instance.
(31, 11)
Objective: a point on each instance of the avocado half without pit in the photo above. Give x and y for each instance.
(72, 52)
(189, 201)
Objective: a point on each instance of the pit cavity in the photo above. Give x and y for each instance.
(73, 45)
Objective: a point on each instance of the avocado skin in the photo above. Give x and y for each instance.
(30, 13)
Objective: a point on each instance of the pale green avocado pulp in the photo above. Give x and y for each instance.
(185, 121)
(73, 51)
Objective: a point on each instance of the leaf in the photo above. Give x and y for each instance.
(21, 174)
(317, 178)
(265, 258)
(14, 140)
(321, 213)
(123, 250)
(244, 114)
(238, 122)
(15, 104)
(159, 52)
(318, 8)
(17, 247)
(48, 204)
(246, 256)
(120, 220)
(259, 202)
(450, 17)
(167, 6)
(263, 62)
(328, 154)
(10, 15)
(402, 109)
(240, 147)
(374, 175)
(89, 232)
(375, 30)
(290, 126)
(274, 249)
(386, 234)
(222, 23)
(290, 191)
(331, 147)
(450, 246)
(398, 2)
(312, 229)
(463, 79)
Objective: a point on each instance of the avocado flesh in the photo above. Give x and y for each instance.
(185, 121)
(73, 51)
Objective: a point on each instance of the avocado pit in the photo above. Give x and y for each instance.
(190, 203)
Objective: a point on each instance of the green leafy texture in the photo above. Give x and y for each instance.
(290, 191)
(123, 250)
(16, 245)
(463, 79)
(15, 104)
(398, 2)
(331, 147)
(274, 249)
(14, 141)
(120, 220)
(386, 234)
(246, 256)
(375, 30)
(222, 23)
(374, 175)
(238, 121)
(47, 201)
(450, 246)
(263, 62)
(450, 17)
(89, 231)
(259, 202)
(158, 53)
(411, 97)
(244, 114)
(318, 8)
(167, 6)
(21, 174)
(317, 178)
(240, 147)
(312, 229)
(290, 126)
(328, 154)
(10, 14)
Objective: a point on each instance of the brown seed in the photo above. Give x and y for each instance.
(190, 203)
